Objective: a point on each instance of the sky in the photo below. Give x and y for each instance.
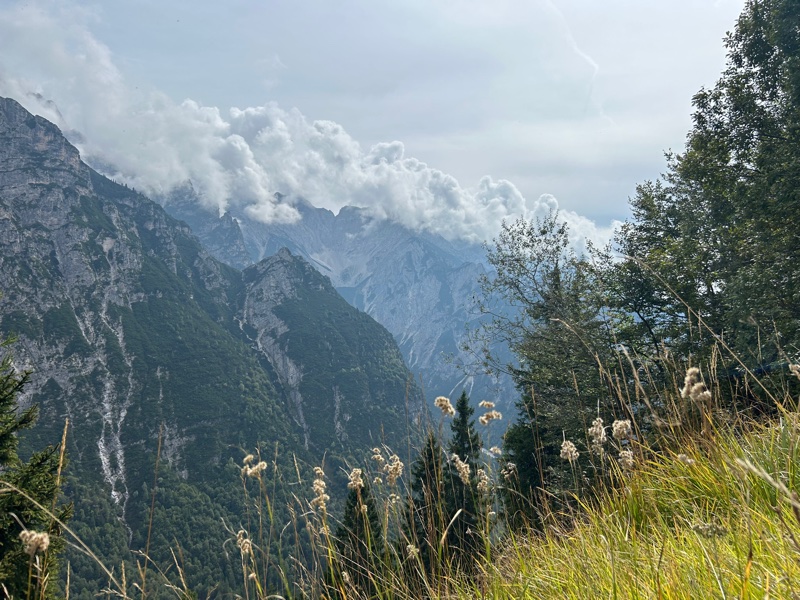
(445, 115)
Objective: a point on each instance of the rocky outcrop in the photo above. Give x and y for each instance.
(342, 376)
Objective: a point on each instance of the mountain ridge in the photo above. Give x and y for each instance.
(141, 339)
(418, 285)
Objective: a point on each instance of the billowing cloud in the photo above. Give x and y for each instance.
(239, 158)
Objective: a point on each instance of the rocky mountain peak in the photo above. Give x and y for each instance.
(34, 151)
(419, 286)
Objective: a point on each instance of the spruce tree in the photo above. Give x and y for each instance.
(360, 540)
(425, 518)
(30, 539)
(461, 491)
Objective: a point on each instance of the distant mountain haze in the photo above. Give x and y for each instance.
(420, 286)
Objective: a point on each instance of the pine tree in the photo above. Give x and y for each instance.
(465, 443)
(360, 540)
(425, 519)
(26, 563)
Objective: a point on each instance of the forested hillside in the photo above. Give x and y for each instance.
(701, 276)
(143, 342)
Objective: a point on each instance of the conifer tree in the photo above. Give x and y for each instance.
(360, 538)
(30, 539)
(426, 520)
(461, 493)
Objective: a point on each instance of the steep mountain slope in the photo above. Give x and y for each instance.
(324, 350)
(135, 332)
(419, 286)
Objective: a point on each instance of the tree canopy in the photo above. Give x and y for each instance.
(702, 275)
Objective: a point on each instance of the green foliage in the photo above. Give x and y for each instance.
(463, 536)
(426, 519)
(360, 542)
(705, 279)
(715, 239)
(562, 334)
(29, 493)
(715, 520)
(344, 354)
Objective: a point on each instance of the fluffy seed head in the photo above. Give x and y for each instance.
(320, 499)
(597, 432)
(393, 469)
(377, 456)
(462, 468)
(569, 451)
(34, 541)
(355, 481)
(621, 429)
(443, 404)
(626, 460)
(692, 377)
(243, 542)
(699, 394)
(486, 418)
(482, 481)
(255, 470)
(509, 471)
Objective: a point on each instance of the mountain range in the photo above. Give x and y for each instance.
(420, 286)
(141, 339)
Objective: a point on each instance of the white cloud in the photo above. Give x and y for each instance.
(241, 157)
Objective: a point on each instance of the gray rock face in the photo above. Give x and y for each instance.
(330, 375)
(221, 236)
(67, 273)
(419, 286)
(130, 324)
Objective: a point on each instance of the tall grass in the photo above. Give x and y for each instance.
(715, 521)
(704, 506)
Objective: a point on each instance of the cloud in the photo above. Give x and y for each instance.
(238, 159)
